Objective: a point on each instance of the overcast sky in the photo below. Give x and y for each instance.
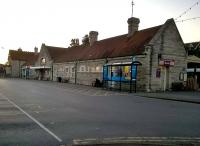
(29, 23)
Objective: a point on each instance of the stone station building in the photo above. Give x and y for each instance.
(160, 49)
(20, 61)
(44, 63)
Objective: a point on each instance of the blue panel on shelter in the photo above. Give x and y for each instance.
(119, 73)
(134, 72)
(105, 72)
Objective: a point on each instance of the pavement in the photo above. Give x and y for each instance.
(42, 113)
(181, 96)
(138, 141)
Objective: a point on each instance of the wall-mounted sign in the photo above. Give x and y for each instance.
(167, 62)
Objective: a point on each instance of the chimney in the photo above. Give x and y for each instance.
(19, 50)
(36, 50)
(93, 37)
(133, 24)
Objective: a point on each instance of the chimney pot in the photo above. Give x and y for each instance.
(36, 50)
(19, 49)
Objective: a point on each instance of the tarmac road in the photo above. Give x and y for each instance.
(48, 113)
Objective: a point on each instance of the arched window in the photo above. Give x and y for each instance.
(43, 61)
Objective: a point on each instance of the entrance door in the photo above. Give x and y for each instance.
(41, 74)
(166, 79)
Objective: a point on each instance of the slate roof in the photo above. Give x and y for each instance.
(55, 52)
(118, 46)
(28, 57)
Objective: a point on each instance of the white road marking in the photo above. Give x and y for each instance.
(32, 118)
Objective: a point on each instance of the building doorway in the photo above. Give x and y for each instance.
(166, 78)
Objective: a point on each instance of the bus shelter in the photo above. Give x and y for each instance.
(121, 76)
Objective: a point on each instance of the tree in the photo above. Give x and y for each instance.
(74, 42)
(193, 48)
(85, 40)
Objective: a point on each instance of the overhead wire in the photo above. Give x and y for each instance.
(189, 19)
(189, 9)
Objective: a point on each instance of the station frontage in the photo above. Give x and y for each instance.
(139, 60)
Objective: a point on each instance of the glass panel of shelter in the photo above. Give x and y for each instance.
(120, 77)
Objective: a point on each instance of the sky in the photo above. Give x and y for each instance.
(28, 23)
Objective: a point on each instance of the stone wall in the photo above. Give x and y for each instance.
(16, 68)
(143, 73)
(48, 63)
(86, 72)
(82, 72)
(65, 71)
(169, 45)
(89, 71)
(8, 71)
